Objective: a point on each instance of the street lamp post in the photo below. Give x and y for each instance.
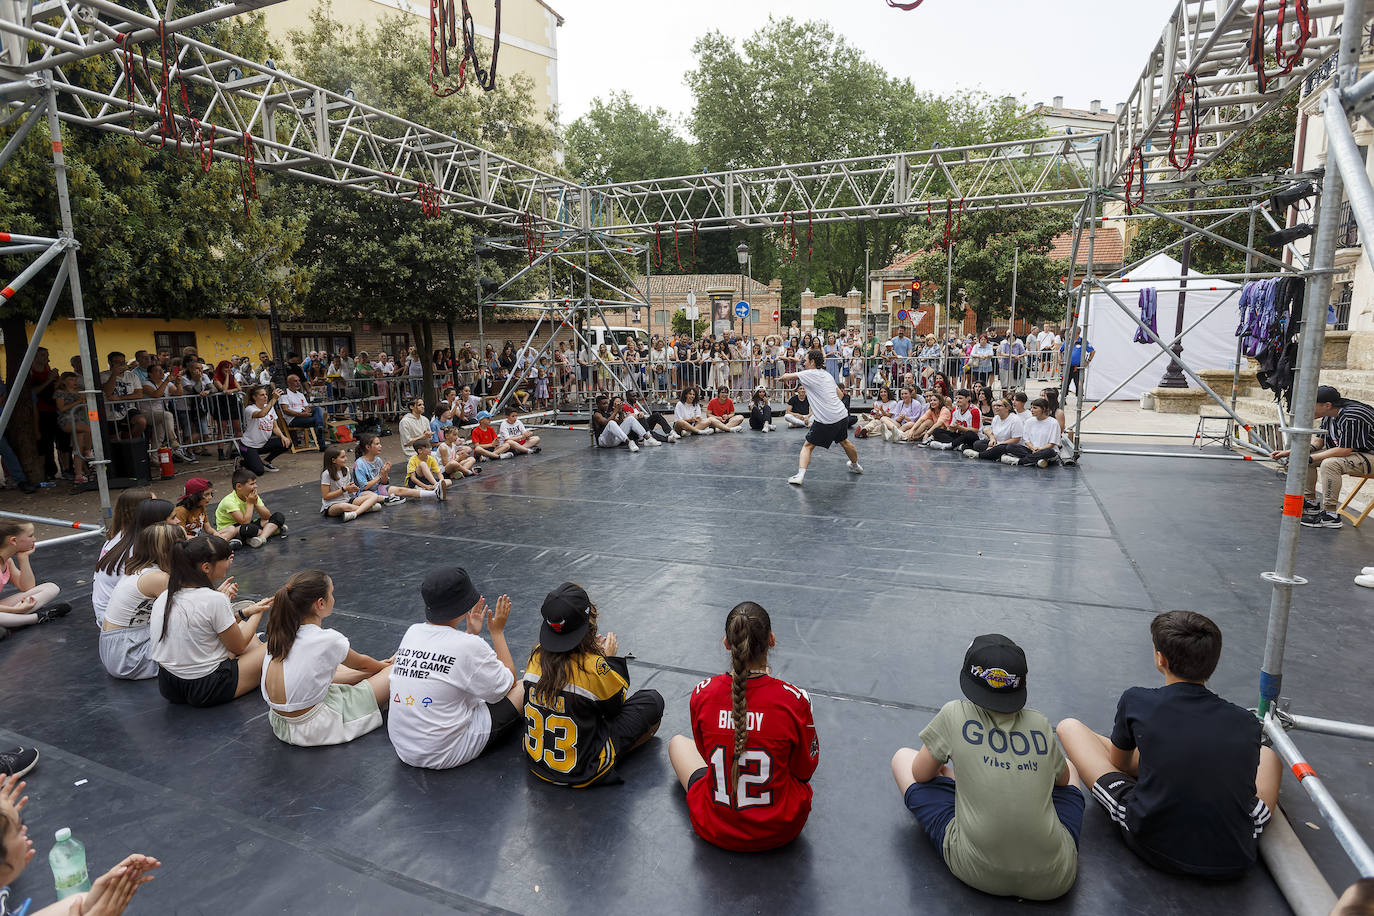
(743, 253)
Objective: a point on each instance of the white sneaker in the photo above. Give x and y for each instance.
(1365, 579)
(375, 507)
(1009, 459)
(257, 541)
(970, 453)
(737, 429)
(1042, 463)
(673, 436)
(651, 442)
(855, 468)
(763, 428)
(772, 427)
(1367, 571)
(633, 447)
(504, 455)
(349, 516)
(708, 431)
(796, 479)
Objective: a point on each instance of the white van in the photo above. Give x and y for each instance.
(599, 334)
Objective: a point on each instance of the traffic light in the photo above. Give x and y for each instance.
(915, 293)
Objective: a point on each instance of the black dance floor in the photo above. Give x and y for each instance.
(875, 584)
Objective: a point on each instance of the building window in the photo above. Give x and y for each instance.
(395, 344)
(173, 341)
(661, 317)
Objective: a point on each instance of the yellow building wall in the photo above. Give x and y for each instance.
(528, 33)
(216, 338)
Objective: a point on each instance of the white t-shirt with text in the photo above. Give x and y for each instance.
(440, 685)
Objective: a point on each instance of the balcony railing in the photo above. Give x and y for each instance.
(1339, 315)
(1348, 235)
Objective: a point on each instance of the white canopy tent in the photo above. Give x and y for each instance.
(1210, 345)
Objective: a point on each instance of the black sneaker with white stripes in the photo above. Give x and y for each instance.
(1321, 520)
(18, 761)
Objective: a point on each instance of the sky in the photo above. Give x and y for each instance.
(1031, 49)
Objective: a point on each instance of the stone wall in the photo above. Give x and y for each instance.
(811, 304)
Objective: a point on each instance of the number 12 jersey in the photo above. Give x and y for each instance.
(770, 800)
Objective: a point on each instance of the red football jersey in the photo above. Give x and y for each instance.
(769, 804)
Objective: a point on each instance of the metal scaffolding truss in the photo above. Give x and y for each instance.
(1204, 52)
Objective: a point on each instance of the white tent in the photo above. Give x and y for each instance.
(1210, 345)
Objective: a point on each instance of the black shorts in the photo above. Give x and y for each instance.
(214, 689)
(506, 720)
(697, 775)
(1113, 792)
(641, 714)
(825, 435)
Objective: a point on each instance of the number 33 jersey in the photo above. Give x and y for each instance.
(770, 798)
(568, 741)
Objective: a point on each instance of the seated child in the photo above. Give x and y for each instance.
(1183, 774)
(484, 436)
(192, 510)
(990, 785)
(340, 497)
(423, 471)
(319, 691)
(515, 436)
(747, 767)
(124, 645)
(34, 603)
(455, 458)
(445, 716)
(373, 475)
(245, 514)
(579, 717)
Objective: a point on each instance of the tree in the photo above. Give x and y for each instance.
(692, 329)
(159, 235)
(616, 140)
(804, 94)
(381, 258)
(984, 248)
(1265, 149)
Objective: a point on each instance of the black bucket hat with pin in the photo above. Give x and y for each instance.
(567, 617)
(448, 594)
(994, 674)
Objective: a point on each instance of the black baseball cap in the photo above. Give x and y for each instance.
(1326, 394)
(448, 594)
(994, 673)
(567, 615)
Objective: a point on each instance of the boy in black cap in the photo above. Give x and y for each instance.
(579, 719)
(1019, 809)
(1346, 446)
(1183, 774)
(453, 697)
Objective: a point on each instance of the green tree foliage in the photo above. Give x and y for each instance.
(984, 248)
(799, 92)
(684, 328)
(379, 258)
(1265, 149)
(617, 140)
(158, 234)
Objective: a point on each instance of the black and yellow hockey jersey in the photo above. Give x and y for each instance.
(569, 742)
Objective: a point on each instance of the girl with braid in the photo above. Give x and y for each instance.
(748, 765)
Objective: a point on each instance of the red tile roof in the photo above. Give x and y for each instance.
(1108, 248)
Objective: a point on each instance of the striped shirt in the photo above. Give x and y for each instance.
(1352, 426)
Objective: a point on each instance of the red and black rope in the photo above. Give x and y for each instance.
(248, 173)
(1285, 59)
(1185, 99)
(1136, 157)
(953, 221)
(443, 36)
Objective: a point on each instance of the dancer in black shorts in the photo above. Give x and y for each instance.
(830, 422)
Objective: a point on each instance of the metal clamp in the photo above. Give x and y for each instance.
(1275, 579)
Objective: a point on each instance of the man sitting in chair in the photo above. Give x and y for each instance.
(1348, 428)
(298, 413)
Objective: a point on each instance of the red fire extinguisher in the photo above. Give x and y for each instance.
(164, 461)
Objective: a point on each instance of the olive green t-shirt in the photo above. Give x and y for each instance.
(1005, 838)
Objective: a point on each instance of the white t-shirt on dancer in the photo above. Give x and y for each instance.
(1038, 434)
(440, 685)
(826, 405)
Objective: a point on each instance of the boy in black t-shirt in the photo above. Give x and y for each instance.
(798, 409)
(1183, 774)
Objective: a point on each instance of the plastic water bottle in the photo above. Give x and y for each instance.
(68, 861)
